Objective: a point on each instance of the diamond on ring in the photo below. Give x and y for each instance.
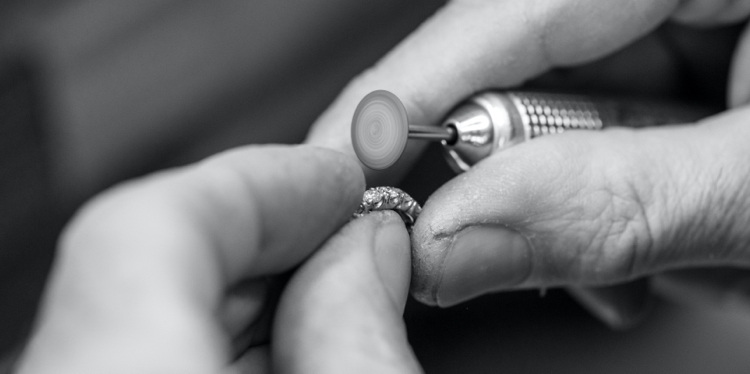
(389, 198)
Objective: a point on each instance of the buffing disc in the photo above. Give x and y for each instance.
(380, 129)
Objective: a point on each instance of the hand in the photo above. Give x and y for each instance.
(169, 274)
(576, 209)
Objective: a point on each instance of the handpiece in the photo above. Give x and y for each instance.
(492, 121)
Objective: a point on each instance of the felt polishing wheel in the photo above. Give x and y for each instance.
(380, 129)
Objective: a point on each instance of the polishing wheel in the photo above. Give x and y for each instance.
(380, 129)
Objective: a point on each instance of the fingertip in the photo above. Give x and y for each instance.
(392, 251)
(343, 166)
(341, 312)
(482, 259)
(366, 257)
(486, 194)
(247, 199)
(470, 262)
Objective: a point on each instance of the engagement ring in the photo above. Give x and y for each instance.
(389, 198)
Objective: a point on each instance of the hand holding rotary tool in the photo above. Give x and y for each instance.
(590, 208)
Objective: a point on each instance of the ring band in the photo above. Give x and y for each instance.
(389, 198)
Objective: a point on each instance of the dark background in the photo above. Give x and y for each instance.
(96, 91)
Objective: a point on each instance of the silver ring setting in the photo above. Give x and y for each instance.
(389, 198)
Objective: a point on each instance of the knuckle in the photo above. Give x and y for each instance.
(623, 239)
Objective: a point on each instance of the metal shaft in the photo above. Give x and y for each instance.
(447, 134)
(492, 121)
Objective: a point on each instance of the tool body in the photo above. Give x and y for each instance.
(492, 121)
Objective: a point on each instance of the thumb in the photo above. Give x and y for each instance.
(589, 208)
(341, 312)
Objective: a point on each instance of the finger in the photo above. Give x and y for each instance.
(472, 45)
(242, 214)
(154, 257)
(342, 311)
(588, 208)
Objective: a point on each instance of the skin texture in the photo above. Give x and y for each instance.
(163, 274)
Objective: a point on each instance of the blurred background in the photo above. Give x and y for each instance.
(96, 91)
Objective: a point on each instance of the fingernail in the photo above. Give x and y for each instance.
(393, 256)
(483, 259)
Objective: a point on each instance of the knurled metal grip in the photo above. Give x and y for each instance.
(492, 121)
